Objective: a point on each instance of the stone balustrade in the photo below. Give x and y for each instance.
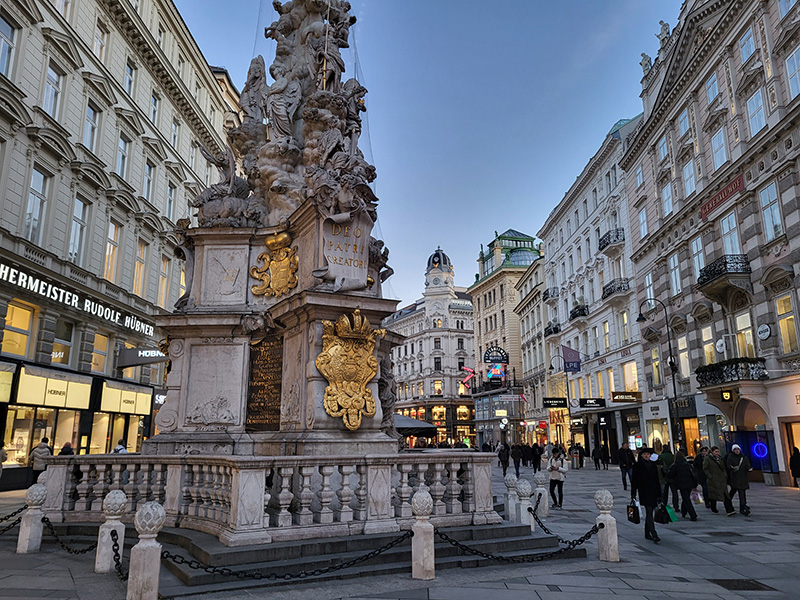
(244, 499)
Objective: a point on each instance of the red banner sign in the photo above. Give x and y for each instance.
(734, 187)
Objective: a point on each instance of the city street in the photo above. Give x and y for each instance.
(754, 553)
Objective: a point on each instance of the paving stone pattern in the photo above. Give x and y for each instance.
(716, 558)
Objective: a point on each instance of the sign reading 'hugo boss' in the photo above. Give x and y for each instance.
(554, 402)
(593, 402)
(495, 354)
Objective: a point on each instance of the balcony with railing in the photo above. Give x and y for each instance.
(580, 312)
(612, 241)
(616, 288)
(731, 371)
(552, 329)
(725, 275)
(550, 295)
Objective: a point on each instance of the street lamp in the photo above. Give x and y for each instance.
(670, 361)
(566, 386)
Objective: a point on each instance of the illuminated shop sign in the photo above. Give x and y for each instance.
(122, 398)
(496, 371)
(6, 377)
(44, 387)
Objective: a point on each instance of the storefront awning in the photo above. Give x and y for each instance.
(7, 371)
(59, 389)
(126, 398)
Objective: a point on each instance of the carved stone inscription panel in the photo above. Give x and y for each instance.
(214, 385)
(264, 397)
(225, 276)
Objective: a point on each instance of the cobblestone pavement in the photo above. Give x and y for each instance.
(693, 560)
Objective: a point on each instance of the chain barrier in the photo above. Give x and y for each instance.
(227, 572)
(13, 514)
(542, 525)
(10, 527)
(117, 559)
(52, 531)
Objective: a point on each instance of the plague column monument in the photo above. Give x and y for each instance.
(272, 347)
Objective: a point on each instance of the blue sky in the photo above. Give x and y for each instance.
(480, 114)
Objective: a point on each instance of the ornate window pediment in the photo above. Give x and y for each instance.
(176, 169)
(29, 9)
(149, 220)
(53, 141)
(716, 116)
(788, 37)
(92, 173)
(752, 78)
(778, 278)
(64, 45)
(130, 119)
(101, 87)
(686, 147)
(11, 108)
(156, 146)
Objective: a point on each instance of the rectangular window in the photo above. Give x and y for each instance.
(707, 335)
(112, 245)
(437, 388)
(62, 345)
(662, 148)
(176, 133)
(595, 340)
(642, 223)
(182, 283)
(688, 178)
(755, 113)
(130, 75)
(160, 37)
(648, 290)
(600, 384)
(437, 343)
(792, 72)
(744, 335)
(674, 274)
(90, 126)
(718, 148)
(611, 386)
(192, 154)
(630, 377)
(771, 212)
(437, 363)
(785, 5)
(712, 91)
(163, 283)
(460, 343)
(786, 324)
(730, 237)
(18, 330)
(99, 353)
(623, 319)
(684, 366)
(123, 148)
(698, 260)
(746, 45)
(606, 337)
(655, 361)
(100, 41)
(154, 108)
(639, 176)
(149, 176)
(666, 198)
(52, 92)
(62, 6)
(170, 206)
(683, 121)
(79, 216)
(181, 65)
(140, 269)
(8, 35)
(37, 201)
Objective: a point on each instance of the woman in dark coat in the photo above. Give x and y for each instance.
(645, 483)
(503, 454)
(717, 480)
(682, 476)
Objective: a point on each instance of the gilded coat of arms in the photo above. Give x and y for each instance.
(348, 363)
(279, 273)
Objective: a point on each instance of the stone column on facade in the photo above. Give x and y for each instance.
(85, 345)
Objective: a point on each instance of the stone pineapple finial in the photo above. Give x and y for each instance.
(150, 519)
(540, 479)
(604, 500)
(422, 503)
(114, 504)
(524, 489)
(36, 495)
(510, 481)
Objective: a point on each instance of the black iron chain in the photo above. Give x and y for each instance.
(117, 559)
(227, 572)
(542, 525)
(10, 527)
(52, 531)
(14, 514)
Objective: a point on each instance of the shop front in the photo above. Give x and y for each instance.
(657, 427)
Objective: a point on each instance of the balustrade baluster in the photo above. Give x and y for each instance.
(197, 490)
(403, 491)
(101, 484)
(159, 483)
(145, 482)
(116, 477)
(453, 489)
(467, 486)
(186, 490)
(285, 497)
(130, 485)
(344, 514)
(437, 489)
(360, 511)
(325, 496)
(84, 488)
(304, 515)
(206, 491)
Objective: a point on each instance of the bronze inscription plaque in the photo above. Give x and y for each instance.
(264, 398)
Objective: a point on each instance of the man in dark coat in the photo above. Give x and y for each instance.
(666, 458)
(527, 455)
(717, 479)
(581, 455)
(681, 475)
(645, 482)
(596, 458)
(697, 465)
(536, 457)
(503, 454)
(626, 462)
(794, 465)
(604, 456)
(516, 456)
(738, 466)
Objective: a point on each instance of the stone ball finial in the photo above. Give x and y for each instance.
(510, 481)
(604, 500)
(422, 503)
(149, 519)
(114, 504)
(36, 495)
(524, 489)
(540, 479)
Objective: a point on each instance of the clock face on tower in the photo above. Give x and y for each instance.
(435, 281)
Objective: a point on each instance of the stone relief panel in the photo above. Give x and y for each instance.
(249, 499)
(213, 384)
(224, 276)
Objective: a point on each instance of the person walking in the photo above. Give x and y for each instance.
(666, 458)
(516, 456)
(527, 455)
(503, 454)
(605, 456)
(646, 484)
(581, 455)
(36, 458)
(66, 449)
(702, 480)
(596, 458)
(794, 465)
(120, 448)
(557, 468)
(681, 476)
(626, 461)
(717, 482)
(536, 454)
(738, 466)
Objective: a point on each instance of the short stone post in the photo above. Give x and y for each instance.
(524, 491)
(607, 540)
(423, 556)
(30, 528)
(511, 498)
(540, 495)
(145, 567)
(114, 505)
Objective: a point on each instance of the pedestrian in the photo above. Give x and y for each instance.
(681, 475)
(527, 455)
(120, 449)
(536, 457)
(548, 450)
(626, 462)
(794, 465)
(596, 458)
(557, 467)
(665, 459)
(702, 480)
(485, 447)
(66, 449)
(4, 457)
(503, 454)
(36, 458)
(738, 466)
(516, 456)
(581, 455)
(717, 482)
(605, 456)
(646, 484)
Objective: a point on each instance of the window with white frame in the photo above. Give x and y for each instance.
(688, 178)
(99, 353)
(771, 212)
(648, 290)
(140, 269)
(623, 322)
(8, 35)
(639, 176)
(149, 178)
(674, 274)
(130, 77)
(160, 36)
(746, 45)
(76, 234)
(52, 91)
(698, 260)
(154, 101)
(786, 324)
(655, 362)
(112, 247)
(718, 148)
(606, 337)
(100, 41)
(176, 133)
(37, 202)
(181, 66)
(792, 72)
(712, 90)
(755, 113)
(666, 198)
(90, 125)
(684, 365)
(662, 148)
(707, 336)
(62, 6)
(683, 121)
(630, 377)
(170, 206)
(642, 223)
(730, 237)
(744, 335)
(163, 282)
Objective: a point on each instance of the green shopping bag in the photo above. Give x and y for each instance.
(671, 512)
